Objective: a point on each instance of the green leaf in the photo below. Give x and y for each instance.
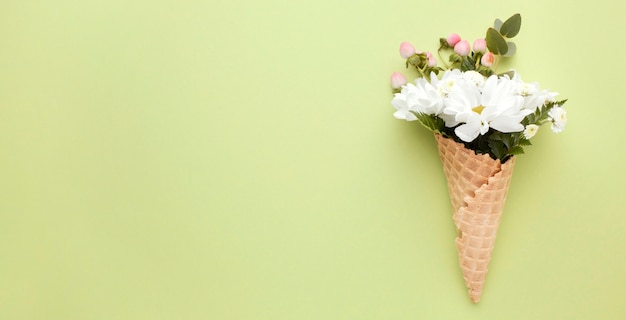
(495, 42)
(443, 43)
(497, 24)
(497, 148)
(510, 27)
(508, 73)
(485, 71)
(516, 150)
(431, 122)
(512, 49)
(468, 64)
(455, 58)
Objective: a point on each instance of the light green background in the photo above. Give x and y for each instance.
(239, 160)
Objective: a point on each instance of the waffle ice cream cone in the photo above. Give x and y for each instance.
(478, 186)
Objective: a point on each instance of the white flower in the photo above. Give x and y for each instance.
(558, 117)
(530, 131)
(448, 80)
(475, 77)
(425, 98)
(420, 97)
(534, 97)
(399, 102)
(538, 99)
(496, 106)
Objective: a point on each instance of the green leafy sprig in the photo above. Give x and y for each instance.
(497, 145)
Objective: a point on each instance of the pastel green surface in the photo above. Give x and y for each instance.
(239, 160)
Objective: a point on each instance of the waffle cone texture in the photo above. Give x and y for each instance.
(478, 186)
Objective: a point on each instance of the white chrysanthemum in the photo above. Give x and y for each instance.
(420, 97)
(475, 77)
(533, 96)
(496, 106)
(530, 131)
(558, 117)
(538, 99)
(401, 104)
(448, 80)
(425, 98)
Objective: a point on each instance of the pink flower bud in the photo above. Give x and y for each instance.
(397, 80)
(453, 39)
(406, 50)
(487, 59)
(480, 45)
(462, 48)
(431, 59)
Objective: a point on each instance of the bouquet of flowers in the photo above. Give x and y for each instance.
(481, 120)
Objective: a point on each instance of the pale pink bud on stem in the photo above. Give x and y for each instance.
(487, 59)
(453, 39)
(397, 80)
(406, 50)
(462, 48)
(480, 45)
(431, 59)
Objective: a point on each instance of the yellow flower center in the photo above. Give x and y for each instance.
(478, 109)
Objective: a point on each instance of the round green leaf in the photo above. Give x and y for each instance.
(495, 42)
(497, 24)
(510, 27)
(512, 49)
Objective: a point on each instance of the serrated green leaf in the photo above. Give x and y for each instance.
(510, 27)
(512, 49)
(431, 122)
(516, 150)
(524, 142)
(495, 42)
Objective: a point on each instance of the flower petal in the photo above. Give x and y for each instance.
(468, 131)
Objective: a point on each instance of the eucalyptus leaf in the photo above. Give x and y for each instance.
(510, 27)
(495, 42)
(510, 74)
(497, 24)
(512, 49)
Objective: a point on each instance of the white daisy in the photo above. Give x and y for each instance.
(530, 131)
(401, 104)
(475, 77)
(558, 117)
(534, 97)
(448, 80)
(496, 106)
(425, 98)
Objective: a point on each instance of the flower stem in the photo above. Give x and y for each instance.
(495, 67)
(423, 74)
(441, 58)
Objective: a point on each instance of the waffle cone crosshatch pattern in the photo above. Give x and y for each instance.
(478, 186)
